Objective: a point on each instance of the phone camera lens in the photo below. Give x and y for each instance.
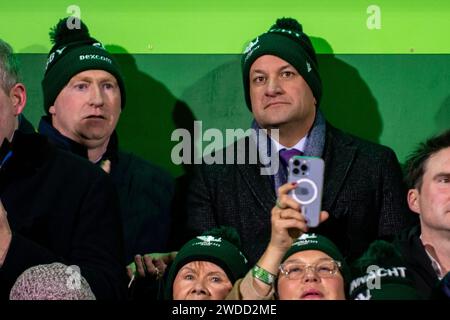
(304, 167)
(295, 171)
(296, 162)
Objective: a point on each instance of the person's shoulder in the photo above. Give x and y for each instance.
(363, 146)
(408, 234)
(31, 144)
(75, 165)
(133, 165)
(227, 159)
(408, 242)
(37, 149)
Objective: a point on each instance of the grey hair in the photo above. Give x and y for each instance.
(9, 67)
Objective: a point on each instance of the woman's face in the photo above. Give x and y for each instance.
(201, 280)
(313, 281)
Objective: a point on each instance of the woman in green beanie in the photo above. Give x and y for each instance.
(296, 265)
(206, 267)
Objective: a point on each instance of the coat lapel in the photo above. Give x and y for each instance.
(260, 186)
(339, 154)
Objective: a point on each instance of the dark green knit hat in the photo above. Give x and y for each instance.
(219, 246)
(74, 51)
(285, 39)
(381, 274)
(313, 241)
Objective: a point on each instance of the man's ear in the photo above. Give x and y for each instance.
(18, 96)
(52, 110)
(413, 200)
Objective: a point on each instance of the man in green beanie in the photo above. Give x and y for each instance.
(363, 188)
(84, 95)
(54, 207)
(206, 267)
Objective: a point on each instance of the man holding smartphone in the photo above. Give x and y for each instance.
(363, 189)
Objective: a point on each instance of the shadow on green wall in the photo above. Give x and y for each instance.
(218, 96)
(443, 116)
(32, 71)
(347, 101)
(151, 114)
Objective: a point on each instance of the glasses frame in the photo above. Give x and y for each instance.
(313, 267)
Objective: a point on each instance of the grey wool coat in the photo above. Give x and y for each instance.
(363, 192)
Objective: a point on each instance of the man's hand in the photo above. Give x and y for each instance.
(153, 264)
(5, 234)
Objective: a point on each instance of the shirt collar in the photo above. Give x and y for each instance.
(300, 145)
(434, 263)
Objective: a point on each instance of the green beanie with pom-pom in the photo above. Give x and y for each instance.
(220, 246)
(74, 51)
(286, 40)
(381, 273)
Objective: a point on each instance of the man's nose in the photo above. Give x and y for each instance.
(96, 96)
(273, 87)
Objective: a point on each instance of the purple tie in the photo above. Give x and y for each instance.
(285, 155)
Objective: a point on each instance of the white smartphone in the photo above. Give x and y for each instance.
(308, 173)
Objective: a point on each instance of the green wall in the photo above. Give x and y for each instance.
(181, 62)
(207, 26)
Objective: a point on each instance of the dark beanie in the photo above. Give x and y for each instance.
(313, 241)
(219, 246)
(381, 274)
(286, 40)
(74, 51)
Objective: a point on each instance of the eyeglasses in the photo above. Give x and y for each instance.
(297, 270)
